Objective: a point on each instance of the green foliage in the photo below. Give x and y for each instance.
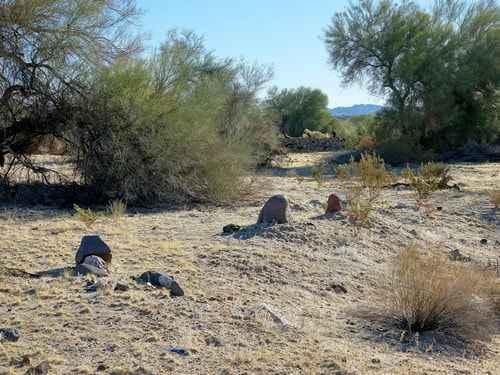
(300, 109)
(439, 67)
(180, 126)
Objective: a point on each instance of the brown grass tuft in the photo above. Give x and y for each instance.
(428, 292)
(495, 198)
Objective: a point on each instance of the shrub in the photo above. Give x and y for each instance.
(182, 126)
(317, 173)
(429, 292)
(373, 174)
(430, 178)
(366, 143)
(358, 208)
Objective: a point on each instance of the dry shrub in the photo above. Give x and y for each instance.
(343, 171)
(373, 174)
(318, 174)
(358, 208)
(428, 179)
(366, 143)
(428, 292)
(495, 198)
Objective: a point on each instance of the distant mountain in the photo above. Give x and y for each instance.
(355, 110)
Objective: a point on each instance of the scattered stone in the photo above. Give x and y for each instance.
(100, 284)
(439, 208)
(214, 341)
(93, 245)
(92, 264)
(275, 211)
(181, 351)
(334, 204)
(270, 311)
(40, 369)
(121, 286)
(375, 361)
(484, 241)
(9, 334)
(337, 288)
(162, 280)
(456, 255)
(230, 229)
(101, 367)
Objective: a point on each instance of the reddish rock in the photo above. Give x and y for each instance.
(334, 204)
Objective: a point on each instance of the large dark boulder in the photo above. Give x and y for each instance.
(275, 211)
(93, 245)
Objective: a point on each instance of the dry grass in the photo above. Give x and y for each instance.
(373, 174)
(117, 209)
(86, 216)
(358, 208)
(427, 292)
(495, 198)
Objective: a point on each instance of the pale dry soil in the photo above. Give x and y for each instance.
(289, 267)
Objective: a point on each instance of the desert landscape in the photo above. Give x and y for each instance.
(282, 299)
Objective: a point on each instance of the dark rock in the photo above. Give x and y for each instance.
(121, 286)
(230, 229)
(334, 205)
(337, 288)
(161, 280)
(456, 255)
(484, 241)
(181, 351)
(93, 245)
(274, 211)
(214, 341)
(41, 369)
(101, 367)
(9, 334)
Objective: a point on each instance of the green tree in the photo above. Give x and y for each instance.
(47, 50)
(438, 68)
(300, 109)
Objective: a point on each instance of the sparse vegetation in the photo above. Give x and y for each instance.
(427, 292)
(117, 209)
(429, 178)
(358, 208)
(86, 215)
(373, 174)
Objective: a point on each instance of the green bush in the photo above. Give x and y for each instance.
(182, 126)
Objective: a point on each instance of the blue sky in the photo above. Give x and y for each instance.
(285, 34)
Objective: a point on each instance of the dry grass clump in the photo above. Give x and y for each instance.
(117, 209)
(428, 292)
(495, 198)
(86, 216)
(366, 143)
(373, 174)
(429, 178)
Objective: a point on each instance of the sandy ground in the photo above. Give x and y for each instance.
(290, 267)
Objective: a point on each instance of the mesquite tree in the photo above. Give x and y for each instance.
(48, 48)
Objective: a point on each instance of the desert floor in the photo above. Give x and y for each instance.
(292, 268)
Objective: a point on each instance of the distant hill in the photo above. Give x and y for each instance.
(355, 110)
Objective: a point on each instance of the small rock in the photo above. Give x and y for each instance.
(121, 286)
(101, 367)
(9, 334)
(93, 245)
(274, 211)
(333, 205)
(92, 264)
(456, 255)
(162, 280)
(178, 350)
(337, 288)
(214, 341)
(40, 369)
(484, 241)
(230, 229)
(375, 361)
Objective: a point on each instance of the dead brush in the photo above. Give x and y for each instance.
(318, 174)
(427, 292)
